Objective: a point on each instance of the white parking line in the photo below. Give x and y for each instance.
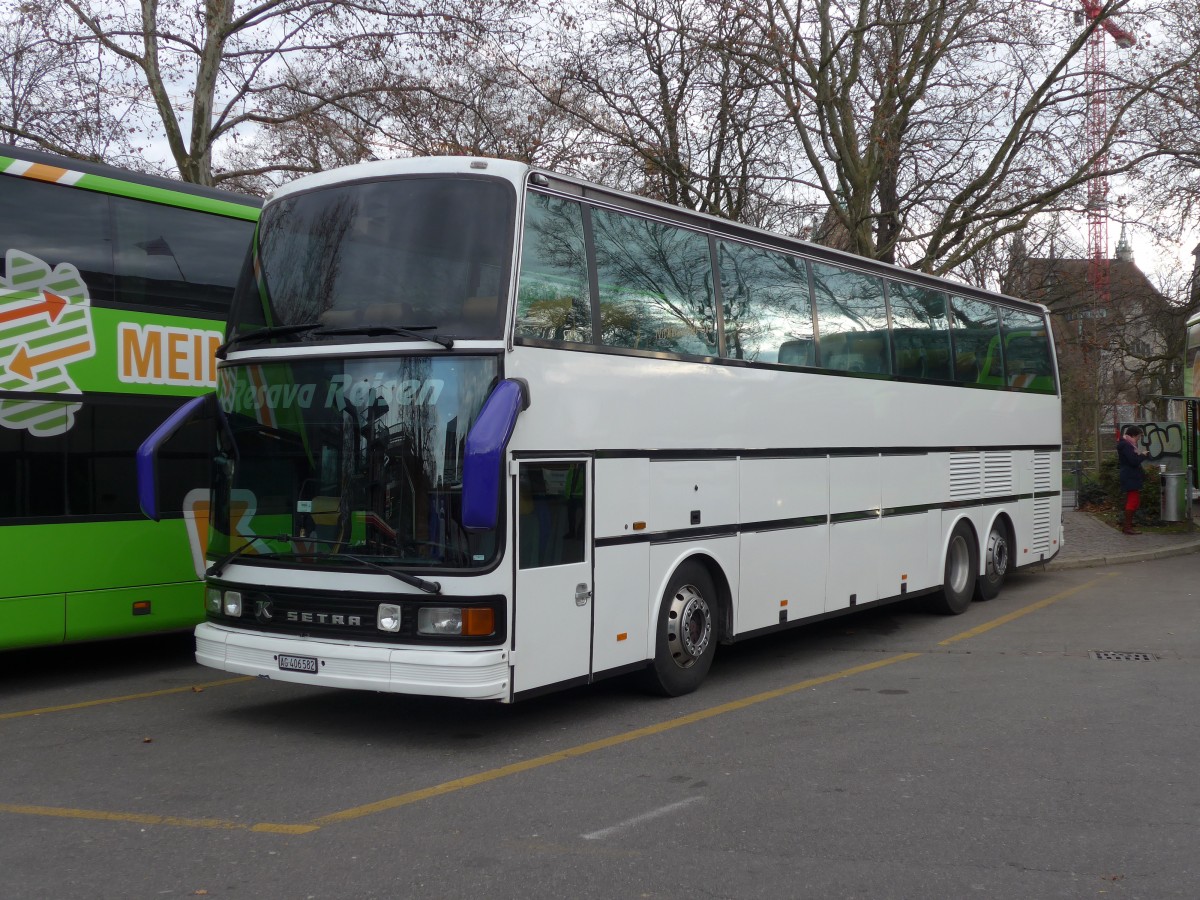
(638, 820)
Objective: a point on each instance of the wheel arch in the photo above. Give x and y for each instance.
(724, 599)
(949, 530)
(1002, 517)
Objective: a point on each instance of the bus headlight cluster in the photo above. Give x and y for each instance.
(388, 618)
(220, 602)
(441, 621)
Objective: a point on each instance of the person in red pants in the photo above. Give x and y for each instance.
(1130, 457)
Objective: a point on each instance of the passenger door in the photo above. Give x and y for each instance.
(552, 618)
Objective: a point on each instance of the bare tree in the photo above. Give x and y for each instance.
(931, 129)
(50, 91)
(1164, 193)
(673, 113)
(202, 71)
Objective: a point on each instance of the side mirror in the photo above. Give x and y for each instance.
(483, 459)
(147, 454)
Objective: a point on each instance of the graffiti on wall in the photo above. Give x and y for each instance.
(1164, 441)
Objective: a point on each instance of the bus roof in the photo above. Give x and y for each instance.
(517, 173)
(137, 185)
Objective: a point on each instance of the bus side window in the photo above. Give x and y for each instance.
(851, 305)
(656, 285)
(44, 220)
(768, 310)
(1026, 351)
(920, 330)
(976, 342)
(553, 299)
(163, 258)
(550, 507)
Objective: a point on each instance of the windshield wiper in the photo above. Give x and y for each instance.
(429, 587)
(218, 567)
(262, 334)
(412, 331)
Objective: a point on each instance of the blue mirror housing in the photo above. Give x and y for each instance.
(147, 454)
(483, 458)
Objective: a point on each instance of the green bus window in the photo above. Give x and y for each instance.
(920, 332)
(768, 311)
(33, 466)
(553, 300)
(88, 469)
(656, 290)
(1026, 351)
(60, 225)
(851, 320)
(162, 258)
(977, 358)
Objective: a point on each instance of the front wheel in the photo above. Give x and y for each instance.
(962, 567)
(996, 562)
(686, 637)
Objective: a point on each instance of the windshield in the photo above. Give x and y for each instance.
(429, 253)
(325, 460)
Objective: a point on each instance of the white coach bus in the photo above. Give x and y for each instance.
(485, 431)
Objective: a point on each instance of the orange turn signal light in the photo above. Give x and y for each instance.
(478, 621)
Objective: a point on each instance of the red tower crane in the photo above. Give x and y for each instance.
(1097, 138)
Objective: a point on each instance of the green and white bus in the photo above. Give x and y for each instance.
(113, 296)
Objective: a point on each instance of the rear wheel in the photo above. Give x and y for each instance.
(686, 638)
(958, 579)
(996, 562)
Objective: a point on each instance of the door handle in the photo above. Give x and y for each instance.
(582, 595)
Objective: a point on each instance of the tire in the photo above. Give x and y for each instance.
(686, 637)
(960, 575)
(997, 560)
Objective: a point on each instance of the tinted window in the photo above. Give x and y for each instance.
(1027, 361)
(554, 300)
(59, 225)
(656, 290)
(976, 336)
(851, 319)
(178, 258)
(90, 469)
(551, 512)
(920, 331)
(768, 312)
(411, 252)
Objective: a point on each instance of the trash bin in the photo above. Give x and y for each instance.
(1170, 486)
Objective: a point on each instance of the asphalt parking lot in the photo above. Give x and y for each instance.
(1044, 744)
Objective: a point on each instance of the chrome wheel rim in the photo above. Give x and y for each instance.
(689, 626)
(997, 555)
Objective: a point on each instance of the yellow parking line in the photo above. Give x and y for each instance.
(100, 815)
(1024, 611)
(459, 784)
(107, 700)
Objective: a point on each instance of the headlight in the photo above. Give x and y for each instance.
(233, 603)
(439, 620)
(472, 621)
(388, 618)
(212, 600)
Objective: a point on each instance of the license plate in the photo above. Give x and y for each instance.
(298, 664)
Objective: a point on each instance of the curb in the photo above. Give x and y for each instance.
(1116, 559)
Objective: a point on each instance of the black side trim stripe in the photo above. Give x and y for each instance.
(783, 524)
(685, 534)
(794, 452)
(859, 516)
